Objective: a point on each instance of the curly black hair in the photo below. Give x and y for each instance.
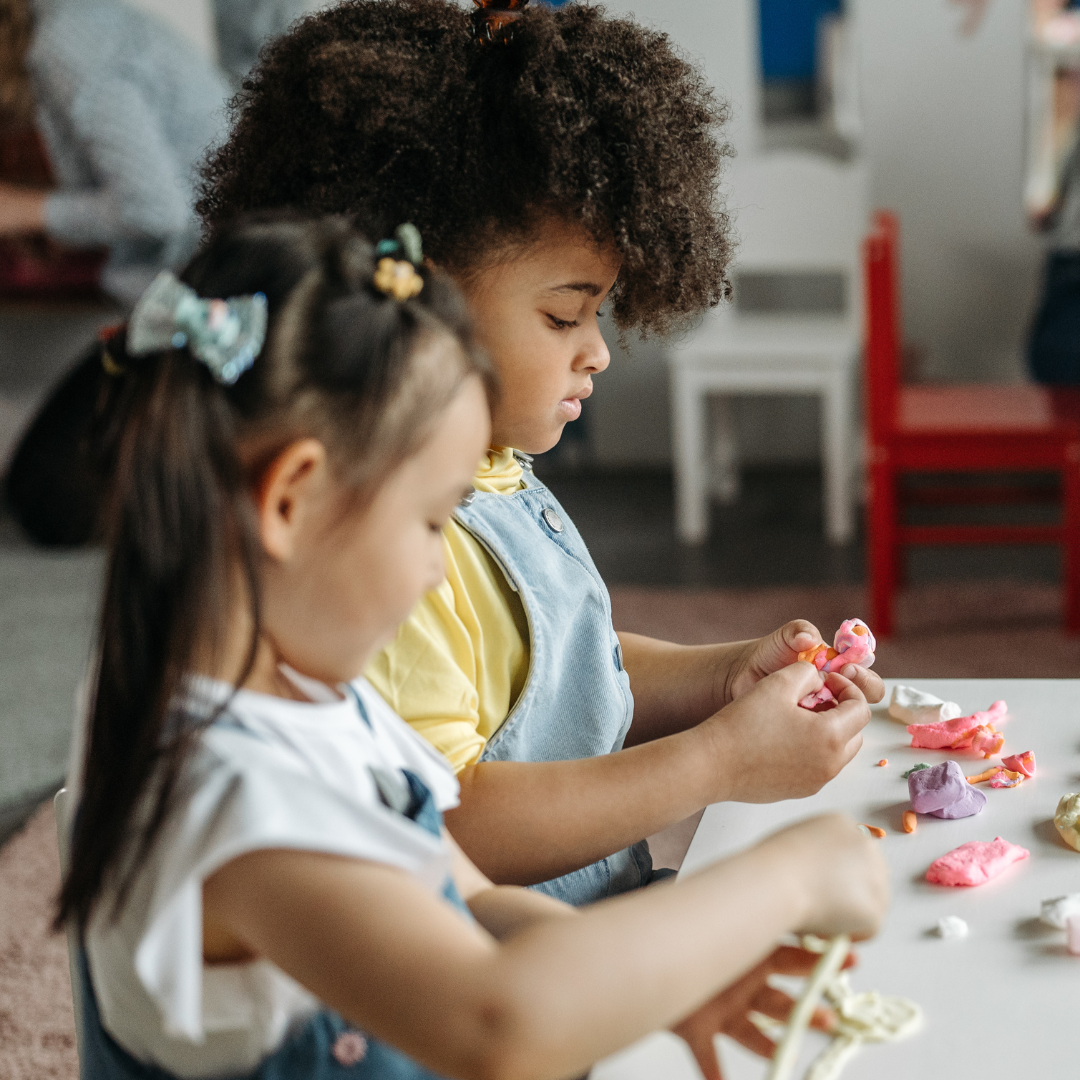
(390, 111)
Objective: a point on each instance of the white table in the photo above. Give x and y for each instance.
(1000, 1004)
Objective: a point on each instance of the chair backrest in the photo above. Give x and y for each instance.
(801, 213)
(882, 352)
(62, 813)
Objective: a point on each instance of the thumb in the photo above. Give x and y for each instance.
(783, 646)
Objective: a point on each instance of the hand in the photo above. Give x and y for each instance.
(22, 210)
(845, 875)
(726, 1014)
(775, 749)
(777, 650)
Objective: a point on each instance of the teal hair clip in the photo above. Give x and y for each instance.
(226, 335)
(406, 242)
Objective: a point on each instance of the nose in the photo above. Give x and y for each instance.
(593, 355)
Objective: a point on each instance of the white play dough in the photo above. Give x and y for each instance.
(1067, 819)
(952, 928)
(1056, 912)
(911, 706)
(860, 1018)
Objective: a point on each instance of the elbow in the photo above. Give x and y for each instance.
(510, 1042)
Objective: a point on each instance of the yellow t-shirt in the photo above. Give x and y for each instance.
(459, 662)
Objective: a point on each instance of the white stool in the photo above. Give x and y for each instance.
(797, 213)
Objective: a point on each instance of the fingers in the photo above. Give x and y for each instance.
(704, 1050)
(744, 1032)
(799, 679)
(799, 635)
(869, 682)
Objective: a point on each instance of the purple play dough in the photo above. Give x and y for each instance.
(944, 792)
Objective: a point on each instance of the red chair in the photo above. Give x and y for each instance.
(930, 429)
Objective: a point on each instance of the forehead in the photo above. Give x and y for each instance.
(561, 256)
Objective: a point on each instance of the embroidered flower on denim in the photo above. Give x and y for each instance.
(350, 1048)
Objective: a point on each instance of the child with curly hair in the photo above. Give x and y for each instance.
(259, 875)
(554, 161)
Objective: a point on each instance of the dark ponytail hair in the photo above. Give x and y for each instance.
(343, 363)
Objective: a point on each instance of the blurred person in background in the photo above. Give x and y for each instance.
(244, 26)
(105, 113)
(124, 109)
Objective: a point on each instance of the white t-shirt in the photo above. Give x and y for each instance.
(272, 773)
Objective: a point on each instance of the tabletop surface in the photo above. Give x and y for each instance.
(1000, 1002)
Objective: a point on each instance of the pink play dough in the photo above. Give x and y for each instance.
(975, 863)
(961, 733)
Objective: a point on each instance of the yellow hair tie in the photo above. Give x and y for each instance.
(398, 279)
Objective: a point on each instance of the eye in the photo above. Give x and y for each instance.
(562, 324)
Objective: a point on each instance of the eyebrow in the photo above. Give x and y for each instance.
(590, 288)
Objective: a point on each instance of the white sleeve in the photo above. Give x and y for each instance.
(237, 809)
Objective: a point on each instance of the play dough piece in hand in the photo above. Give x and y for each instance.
(943, 791)
(1067, 819)
(911, 706)
(853, 644)
(1022, 763)
(975, 863)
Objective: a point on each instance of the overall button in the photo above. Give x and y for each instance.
(554, 522)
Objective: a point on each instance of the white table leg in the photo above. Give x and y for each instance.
(838, 450)
(725, 452)
(688, 414)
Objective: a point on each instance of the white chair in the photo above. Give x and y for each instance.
(796, 213)
(62, 811)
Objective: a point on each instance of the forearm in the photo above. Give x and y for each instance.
(526, 822)
(641, 962)
(675, 686)
(502, 910)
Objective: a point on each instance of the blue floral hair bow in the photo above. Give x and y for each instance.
(226, 335)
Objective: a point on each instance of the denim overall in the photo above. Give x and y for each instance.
(324, 1047)
(576, 702)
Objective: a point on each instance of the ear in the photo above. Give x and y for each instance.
(293, 486)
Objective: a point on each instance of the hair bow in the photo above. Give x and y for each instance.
(226, 335)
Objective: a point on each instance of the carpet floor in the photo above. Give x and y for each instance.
(37, 1028)
(972, 629)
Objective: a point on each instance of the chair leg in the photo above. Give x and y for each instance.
(688, 416)
(837, 451)
(1071, 560)
(881, 546)
(725, 452)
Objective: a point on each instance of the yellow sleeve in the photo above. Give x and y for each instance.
(424, 675)
(458, 664)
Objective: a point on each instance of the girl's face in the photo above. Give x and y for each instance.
(536, 315)
(335, 589)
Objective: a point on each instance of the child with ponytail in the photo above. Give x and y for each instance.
(259, 876)
(556, 161)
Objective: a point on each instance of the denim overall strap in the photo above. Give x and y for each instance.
(324, 1047)
(576, 702)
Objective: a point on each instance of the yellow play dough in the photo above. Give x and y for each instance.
(1067, 819)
